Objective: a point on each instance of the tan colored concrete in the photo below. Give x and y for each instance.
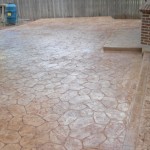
(143, 140)
(128, 39)
(60, 91)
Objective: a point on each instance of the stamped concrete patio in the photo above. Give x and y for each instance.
(60, 91)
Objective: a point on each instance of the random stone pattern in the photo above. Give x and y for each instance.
(60, 91)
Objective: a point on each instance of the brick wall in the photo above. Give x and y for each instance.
(145, 33)
(145, 29)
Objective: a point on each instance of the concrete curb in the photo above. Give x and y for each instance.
(132, 133)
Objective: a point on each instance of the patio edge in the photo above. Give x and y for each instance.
(135, 117)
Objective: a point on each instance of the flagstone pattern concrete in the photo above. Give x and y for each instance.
(60, 91)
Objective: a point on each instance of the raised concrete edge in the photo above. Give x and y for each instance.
(137, 49)
(130, 141)
(145, 48)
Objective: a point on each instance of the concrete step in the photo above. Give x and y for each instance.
(135, 130)
(124, 40)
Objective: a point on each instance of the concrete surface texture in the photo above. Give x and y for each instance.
(60, 91)
(125, 39)
(143, 140)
